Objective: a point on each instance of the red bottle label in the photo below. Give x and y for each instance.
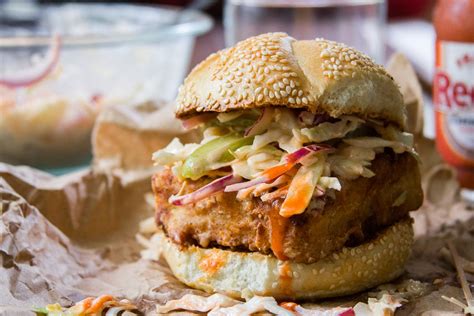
(453, 94)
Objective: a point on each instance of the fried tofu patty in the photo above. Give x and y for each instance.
(355, 214)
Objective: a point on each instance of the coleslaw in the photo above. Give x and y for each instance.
(279, 153)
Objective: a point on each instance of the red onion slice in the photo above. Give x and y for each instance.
(276, 171)
(297, 155)
(207, 190)
(261, 124)
(247, 184)
(197, 120)
(348, 312)
(37, 72)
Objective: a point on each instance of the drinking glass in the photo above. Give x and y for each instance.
(357, 23)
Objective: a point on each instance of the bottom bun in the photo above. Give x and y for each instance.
(245, 274)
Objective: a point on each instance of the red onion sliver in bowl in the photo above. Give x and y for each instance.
(207, 190)
(261, 124)
(37, 72)
(197, 120)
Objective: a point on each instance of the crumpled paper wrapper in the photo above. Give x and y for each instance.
(65, 238)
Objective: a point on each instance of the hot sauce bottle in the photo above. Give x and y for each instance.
(453, 86)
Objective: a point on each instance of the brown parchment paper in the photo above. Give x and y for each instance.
(65, 238)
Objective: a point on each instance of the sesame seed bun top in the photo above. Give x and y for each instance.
(276, 70)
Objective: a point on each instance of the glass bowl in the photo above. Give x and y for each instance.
(60, 69)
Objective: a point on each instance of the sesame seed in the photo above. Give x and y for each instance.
(288, 89)
(304, 100)
(257, 91)
(291, 100)
(260, 97)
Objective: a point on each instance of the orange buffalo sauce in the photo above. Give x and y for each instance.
(278, 230)
(453, 86)
(286, 276)
(212, 262)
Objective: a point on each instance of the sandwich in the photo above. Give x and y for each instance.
(302, 184)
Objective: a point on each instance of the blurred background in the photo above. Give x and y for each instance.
(63, 62)
(356, 22)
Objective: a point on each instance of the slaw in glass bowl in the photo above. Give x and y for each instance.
(59, 71)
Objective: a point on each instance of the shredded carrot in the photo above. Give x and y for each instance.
(289, 306)
(98, 303)
(278, 170)
(86, 303)
(298, 197)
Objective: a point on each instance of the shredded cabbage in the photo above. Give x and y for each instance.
(330, 183)
(374, 142)
(326, 131)
(174, 152)
(226, 117)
